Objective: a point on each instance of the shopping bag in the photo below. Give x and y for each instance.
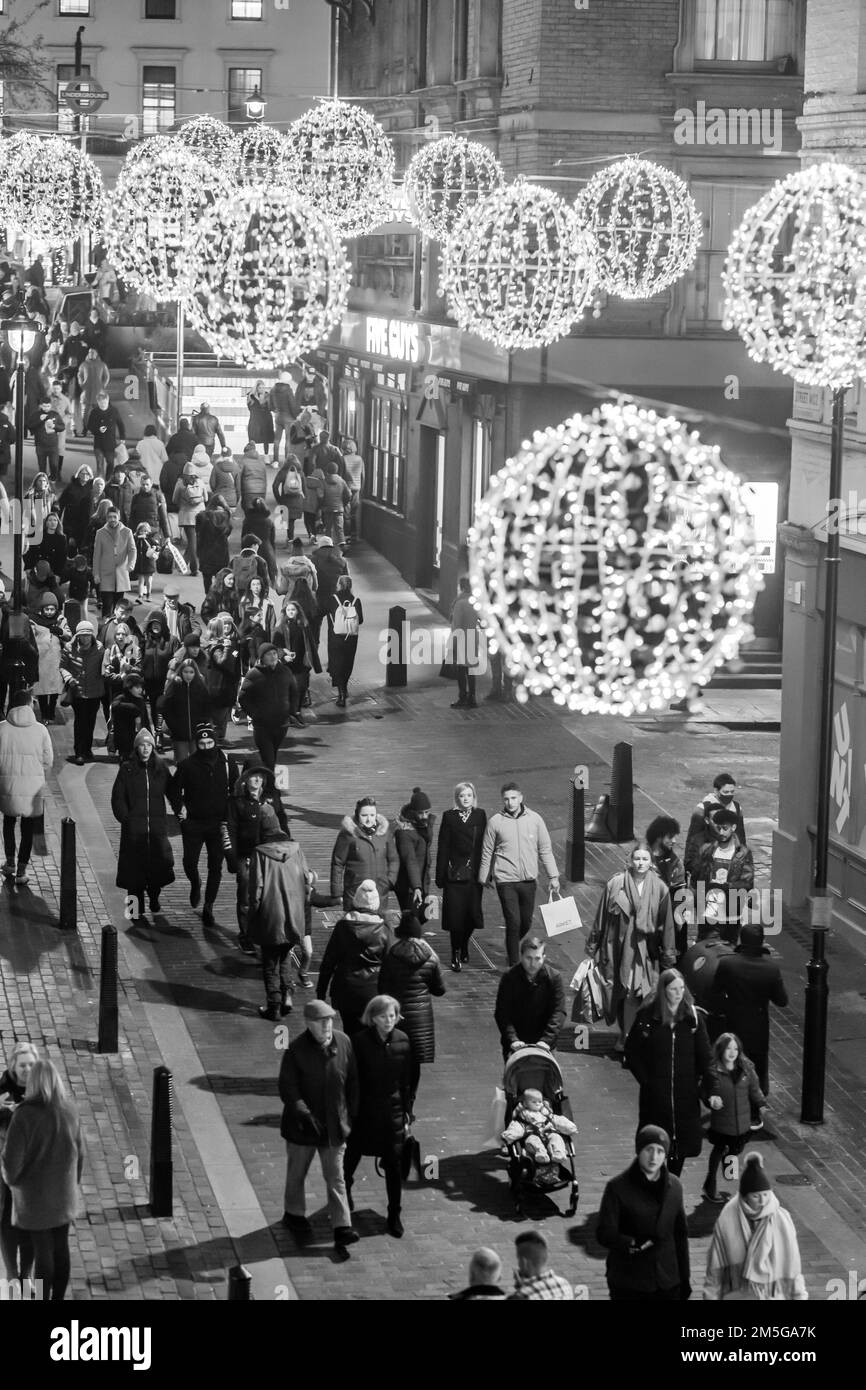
(592, 994)
(560, 915)
(177, 559)
(173, 526)
(121, 454)
(495, 1121)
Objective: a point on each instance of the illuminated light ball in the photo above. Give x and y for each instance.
(272, 278)
(157, 202)
(642, 225)
(795, 277)
(211, 140)
(446, 178)
(515, 269)
(604, 628)
(261, 158)
(52, 191)
(342, 161)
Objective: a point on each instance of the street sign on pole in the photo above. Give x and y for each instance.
(84, 96)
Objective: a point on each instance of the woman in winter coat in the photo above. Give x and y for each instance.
(145, 861)
(288, 490)
(129, 713)
(26, 755)
(222, 678)
(81, 669)
(314, 493)
(279, 875)
(53, 547)
(222, 596)
(364, 849)
(668, 1053)
(74, 505)
(225, 479)
(42, 1162)
(184, 703)
(741, 1099)
(353, 957)
(257, 522)
(202, 466)
(51, 632)
(413, 834)
(754, 1253)
(189, 498)
(254, 789)
(642, 1224)
(345, 616)
(299, 580)
(292, 633)
(383, 1058)
(458, 860)
(260, 429)
(213, 527)
(16, 1245)
(412, 974)
(156, 653)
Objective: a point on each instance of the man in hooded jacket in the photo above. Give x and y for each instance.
(204, 781)
(254, 789)
(279, 877)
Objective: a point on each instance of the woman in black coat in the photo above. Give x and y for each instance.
(342, 646)
(668, 1053)
(353, 958)
(260, 429)
(53, 547)
(257, 522)
(642, 1224)
(458, 859)
(213, 527)
(412, 974)
(74, 505)
(145, 863)
(382, 1055)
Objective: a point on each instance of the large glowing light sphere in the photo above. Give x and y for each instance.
(261, 158)
(446, 178)
(642, 225)
(272, 278)
(613, 562)
(212, 140)
(795, 277)
(515, 269)
(51, 191)
(342, 161)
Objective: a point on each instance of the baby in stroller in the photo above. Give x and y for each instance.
(539, 1128)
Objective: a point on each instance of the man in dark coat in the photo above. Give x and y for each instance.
(698, 967)
(183, 441)
(746, 984)
(319, 1091)
(279, 877)
(530, 1001)
(106, 426)
(204, 781)
(268, 696)
(642, 1224)
(207, 429)
(254, 789)
(724, 871)
(701, 830)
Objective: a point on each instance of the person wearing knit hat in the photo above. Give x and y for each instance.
(754, 1252)
(145, 861)
(413, 838)
(276, 916)
(353, 957)
(268, 696)
(50, 633)
(130, 712)
(642, 1225)
(84, 688)
(204, 782)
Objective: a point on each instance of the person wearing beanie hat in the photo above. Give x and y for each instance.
(26, 755)
(701, 830)
(411, 972)
(269, 697)
(363, 849)
(204, 783)
(353, 957)
(50, 633)
(276, 916)
(143, 785)
(84, 688)
(642, 1225)
(754, 1252)
(254, 789)
(746, 984)
(202, 465)
(329, 563)
(413, 839)
(130, 714)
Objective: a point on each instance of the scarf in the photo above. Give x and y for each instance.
(464, 814)
(637, 972)
(757, 1257)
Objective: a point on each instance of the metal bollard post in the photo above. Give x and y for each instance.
(395, 669)
(240, 1281)
(621, 817)
(815, 1017)
(107, 1041)
(161, 1169)
(575, 848)
(68, 887)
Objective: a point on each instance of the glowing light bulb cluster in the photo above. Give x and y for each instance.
(613, 562)
(446, 178)
(51, 191)
(212, 140)
(342, 162)
(795, 277)
(515, 268)
(261, 158)
(272, 278)
(642, 226)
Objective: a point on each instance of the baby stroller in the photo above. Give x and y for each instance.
(536, 1068)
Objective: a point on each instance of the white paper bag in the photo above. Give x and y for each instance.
(495, 1120)
(560, 915)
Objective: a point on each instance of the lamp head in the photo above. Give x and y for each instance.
(20, 335)
(255, 106)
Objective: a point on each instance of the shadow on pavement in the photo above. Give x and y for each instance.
(585, 1237)
(231, 1085)
(152, 991)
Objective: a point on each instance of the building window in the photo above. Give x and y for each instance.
(246, 9)
(722, 208)
(66, 118)
(347, 410)
(242, 83)
(743, 31)
(160, 9)
(74, 7)
(481, 452)
(460, 65)
(158, 99)
(387, 434)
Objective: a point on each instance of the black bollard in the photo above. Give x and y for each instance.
(107, 1041)
(161, 1170)
(68, 886)
(575, 848)
(621, 816)
(395, 668)
(240, 1283)
(815, 1018)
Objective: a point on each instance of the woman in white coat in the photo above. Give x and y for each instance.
(25, 757)
(51, 633)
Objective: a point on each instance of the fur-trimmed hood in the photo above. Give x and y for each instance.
(352, 828)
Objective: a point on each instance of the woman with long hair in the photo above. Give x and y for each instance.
(16, 1246)
(42, 1163)
(458, 858)
(741, 1099)
(260, 429)
(292, 634)
(345, 616)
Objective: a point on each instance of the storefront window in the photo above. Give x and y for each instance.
(480, 463)
(387, 434)
(347, 410)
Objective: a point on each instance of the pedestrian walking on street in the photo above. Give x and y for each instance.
(335, 499)
(530, 1001)
(282, 403)
(15, 1245)
(345, 616)
(203, 784)
(253, 477)
(183, 441)
(26, 755)
(458, 861)
(53, 547)
(84, 687)
(288, 489)
(213, 526)
(485, 1277)
(698, 968)
(740, 1097)
(114, 556)
(642, 1225)
(74, 505)
(746, 984)
(319, 1090)
(465, 640)
(145, 862)
(179, 617)
(534, 1281)
(329, 564)
(725, 865)
(269, 697)
(103, 421)
(254, 789)
(189, 499)
(660, 837)
(292, 635)
(93, 379)
(413, 837)
(222, 597)
(353, 957)
(364, 849)
(184, 705)
(701, 830)
(515, 840)
(225, 479)
(279, 877)
(668, 1053)
(382, 1056)
(152, 452)
(156, 651)
(129, 713)
(353, 465)
(51, 634)
(260, 428)
(257, 522)
(42, 1162)
(412, 974)
(632, 938)
(754, 1252)
(222, 678)
(207, 429)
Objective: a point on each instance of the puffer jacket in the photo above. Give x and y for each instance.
(357, 856)
(189, 498)
(156, 650)
(277, 893)
(415, 851)
(412, 974)
(352, 961)
(25, 757)
(225, 481)
(254, 479)
(741, 1094)
(184, 706)
(84, 668)
(335, 493)
(265, 695)
(213, 526)
(245, 813)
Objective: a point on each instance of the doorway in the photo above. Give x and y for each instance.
(430, 527)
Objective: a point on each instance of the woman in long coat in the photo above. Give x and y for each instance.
(668, 1053)
(342, 647)
(458, 859)
(74, 505)
(633, 936)
(260, 429)
(145, 863)
(382, 1055)
(292, 633)
(353, 957)
(412, 974)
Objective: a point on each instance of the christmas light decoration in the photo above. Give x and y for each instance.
(211, 140)
(447, 177)
(272, 278)
(160, 195)
(261, 158)
(341, 160)
(795, 277)
(52, 191)
(642, 225)
(515, 268)
(613, 562)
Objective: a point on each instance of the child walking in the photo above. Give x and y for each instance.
(738, 1089)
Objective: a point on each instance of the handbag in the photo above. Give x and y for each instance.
(121, 453)
(593, 995)
(410, 1156)
(448, 671)
(460, 870)
(560, 915)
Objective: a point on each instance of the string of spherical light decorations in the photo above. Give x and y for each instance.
(446, 178)
(342, 162)
(212, 140)
(51, 191)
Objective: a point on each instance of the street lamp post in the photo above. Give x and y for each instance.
(255, 106)
(20, 335)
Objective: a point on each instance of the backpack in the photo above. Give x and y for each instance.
(292, 483)
(346, 620)
(245, 568)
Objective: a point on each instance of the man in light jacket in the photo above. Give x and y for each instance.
(114, 556)
(514, 841)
